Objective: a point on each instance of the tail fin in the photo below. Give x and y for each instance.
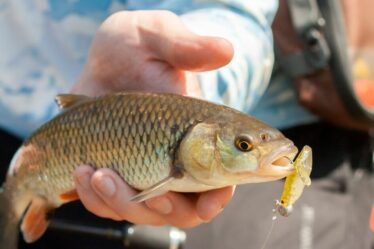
(8, 222)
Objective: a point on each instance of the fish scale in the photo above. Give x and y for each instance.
(149, 131)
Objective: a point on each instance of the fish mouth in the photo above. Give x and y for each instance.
(279, 162)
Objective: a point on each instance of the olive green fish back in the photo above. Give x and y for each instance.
(134, 134)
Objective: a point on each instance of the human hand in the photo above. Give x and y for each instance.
(148, 51)
(105, 194)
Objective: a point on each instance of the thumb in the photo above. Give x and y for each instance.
(198, 53)
(175, 44)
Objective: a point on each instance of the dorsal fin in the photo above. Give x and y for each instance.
(67, 100)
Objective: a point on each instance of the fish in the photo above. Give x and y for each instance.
(295, 182)
(156, 142)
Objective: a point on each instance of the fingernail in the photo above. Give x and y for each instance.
(161, 205)
(105, 185)
(83, 180)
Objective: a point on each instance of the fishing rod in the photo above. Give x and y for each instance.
(132, 236)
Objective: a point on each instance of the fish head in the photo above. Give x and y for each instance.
(236, 149)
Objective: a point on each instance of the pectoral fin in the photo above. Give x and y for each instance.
(156, 190)
(35, 221)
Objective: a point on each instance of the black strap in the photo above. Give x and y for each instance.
(305, 15)
(320, 26)
(340, 64)
(308, 23)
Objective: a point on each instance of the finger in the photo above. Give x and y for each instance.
(211, 203)
(182, 212)
(173, 42)
(89, 198)
(116, 194)
(198, 53)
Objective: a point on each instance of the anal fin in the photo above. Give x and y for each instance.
(71, 195)
(35, 221)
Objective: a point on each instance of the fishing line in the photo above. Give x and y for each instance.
(271, 227)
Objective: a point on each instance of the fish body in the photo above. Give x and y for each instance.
(295, 182)
(155, 142)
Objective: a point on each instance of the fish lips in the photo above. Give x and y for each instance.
(278, 164)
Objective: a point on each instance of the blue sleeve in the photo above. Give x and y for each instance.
(44, 51)
(247, 25)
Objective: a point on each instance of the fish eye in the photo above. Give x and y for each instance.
(243, 144)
